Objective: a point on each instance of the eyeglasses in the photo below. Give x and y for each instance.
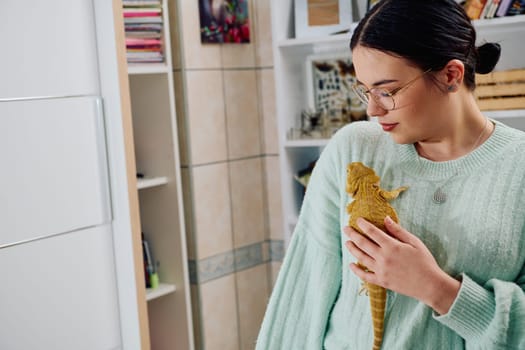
(383, 98)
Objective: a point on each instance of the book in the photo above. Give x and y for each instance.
(473, 8)
(517, 8)
(143, 24)
(141, 14)
(494, 8)
(142, 42)
(148, 19)
(486, 9)
(503, 8)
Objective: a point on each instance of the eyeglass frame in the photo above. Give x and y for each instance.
(390, 94)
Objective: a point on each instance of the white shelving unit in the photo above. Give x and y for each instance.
(151, 182)
(291, 89)
(160, 197)
(161, 290)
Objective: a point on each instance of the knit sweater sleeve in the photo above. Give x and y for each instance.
(310, 276)
(489, 316)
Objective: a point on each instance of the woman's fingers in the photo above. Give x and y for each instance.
(363, 257)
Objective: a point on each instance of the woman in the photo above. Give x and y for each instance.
(454, 266)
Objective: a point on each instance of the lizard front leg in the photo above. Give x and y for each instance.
(389, 195)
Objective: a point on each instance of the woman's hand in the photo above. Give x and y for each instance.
(402, 263)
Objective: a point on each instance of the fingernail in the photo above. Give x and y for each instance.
(389, 220)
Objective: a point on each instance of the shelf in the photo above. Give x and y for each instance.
(342, 41)
(160, 291)
(498, 21)
(151, 182)
(306, 143)
(147, 68)
(510, 113)
(291, 43)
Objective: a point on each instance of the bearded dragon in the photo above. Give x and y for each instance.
(371, 203)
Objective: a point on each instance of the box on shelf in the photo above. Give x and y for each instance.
(501, 90)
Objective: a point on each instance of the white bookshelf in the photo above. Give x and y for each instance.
(306, 143)
(147, 68)
(291, 89)
(162, 290)
(151, 182)
(155, 139)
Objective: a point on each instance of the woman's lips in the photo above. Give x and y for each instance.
(388, 126)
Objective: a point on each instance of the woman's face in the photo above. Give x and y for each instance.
(417, 113)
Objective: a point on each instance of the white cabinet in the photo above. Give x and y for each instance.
(291, 89)
(57, 152)
(50, 53)
(60, 293)
(160, 197)
(65, 243)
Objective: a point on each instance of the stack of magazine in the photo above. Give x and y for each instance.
(143, 27)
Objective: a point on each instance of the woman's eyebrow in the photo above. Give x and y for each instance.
(380, 82)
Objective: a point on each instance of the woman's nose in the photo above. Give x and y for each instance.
(373, 109)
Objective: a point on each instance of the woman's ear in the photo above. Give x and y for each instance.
(452, 75)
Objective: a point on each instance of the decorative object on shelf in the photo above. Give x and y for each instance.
(474, 8)
(303, 175)
(224, 21)
(330, 79)
(321, 17)
(516, 8)
(150, 268)
(311, 122)
(487, 9)
(371, 3)
(501, 90)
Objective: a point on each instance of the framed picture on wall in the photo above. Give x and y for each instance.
(321, 17)
(224, 21)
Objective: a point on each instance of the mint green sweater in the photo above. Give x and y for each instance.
(477, 235)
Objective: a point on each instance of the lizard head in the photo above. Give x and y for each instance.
(358, 175)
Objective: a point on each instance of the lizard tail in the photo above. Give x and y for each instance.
(377, 297)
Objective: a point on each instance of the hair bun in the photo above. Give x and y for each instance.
(488, 57)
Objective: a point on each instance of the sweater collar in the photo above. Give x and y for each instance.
(415, 165)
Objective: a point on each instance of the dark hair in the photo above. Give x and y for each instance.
(429, 33)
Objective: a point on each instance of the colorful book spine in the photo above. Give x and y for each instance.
(503, 8)
(474, 8)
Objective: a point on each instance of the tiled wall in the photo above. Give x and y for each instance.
(230, 169)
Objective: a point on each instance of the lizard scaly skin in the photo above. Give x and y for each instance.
(371, 203)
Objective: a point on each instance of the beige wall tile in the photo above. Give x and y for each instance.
(196, 55)
(252, 289)
(211, 202)
(247, 201)
(263, 33)
(275, 268)
(265, 251)
(267, 110)
(207, 132)
(242, 113)
(241, 55)
(273, 192)
(219, 314)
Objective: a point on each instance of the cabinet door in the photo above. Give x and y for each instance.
(60, 293)
(54, 176)
(48, 48)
